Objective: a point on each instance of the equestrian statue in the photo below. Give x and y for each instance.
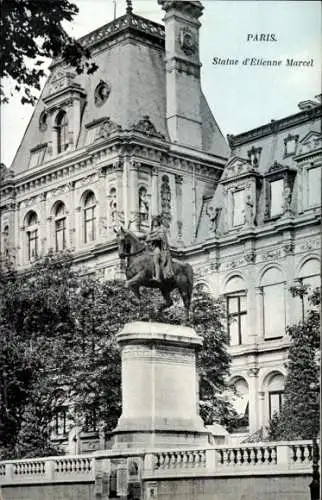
(149, 264)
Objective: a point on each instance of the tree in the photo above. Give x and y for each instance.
(60, 328)
(299, 418)
(31, 31)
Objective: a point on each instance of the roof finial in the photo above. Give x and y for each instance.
(129, 7)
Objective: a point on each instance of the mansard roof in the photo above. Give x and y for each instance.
(129, 53)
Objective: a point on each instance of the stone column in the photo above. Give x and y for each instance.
(261, 408)
(102, 208)
(260, 313)
(179, 181)
(155, 192)
(253, 400)
(42, 226)
(133, 194)
(159, 387)
(125, 190)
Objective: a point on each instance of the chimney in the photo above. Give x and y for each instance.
(183, 71)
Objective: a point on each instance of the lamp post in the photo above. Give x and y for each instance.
(315, 484)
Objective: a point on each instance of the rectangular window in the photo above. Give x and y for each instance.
(89, 224)
(274, 311)
(276, 188)
(238, 199)
(37, 157)
(60, 229)
(275, 403)
(236, 318)
(32, 244)
(314, 187)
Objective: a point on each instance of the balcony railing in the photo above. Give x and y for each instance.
(275, 458)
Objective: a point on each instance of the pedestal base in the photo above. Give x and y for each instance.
(159, 388)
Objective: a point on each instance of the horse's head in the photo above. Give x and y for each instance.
(124, 242)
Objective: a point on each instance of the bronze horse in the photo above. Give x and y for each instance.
(139, 271)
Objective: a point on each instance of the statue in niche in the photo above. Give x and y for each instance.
(287, 198)
(113, 205)
(213, 214)
(250, 214)
(143, 205)
(166, 201)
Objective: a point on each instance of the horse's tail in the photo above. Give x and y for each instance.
(189, 274)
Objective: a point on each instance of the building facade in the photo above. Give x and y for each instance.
(137, 139)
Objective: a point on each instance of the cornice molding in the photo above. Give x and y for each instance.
(274, 127)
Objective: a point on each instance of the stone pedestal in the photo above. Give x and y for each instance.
(159, 387)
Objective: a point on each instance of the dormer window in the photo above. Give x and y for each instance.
(279, 180)
(276, 195)
(314, 187)
(290, 145)
(62, 131)
(238, 199)
(254, 156)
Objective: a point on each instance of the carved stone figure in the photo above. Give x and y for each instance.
(213, 214)
(143, 204)
(250, 211)
(287, 198)
(102, 92)
(166, 201)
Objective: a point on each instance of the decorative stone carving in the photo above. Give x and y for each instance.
(253, 372)
(60, 80)
(102, 93)
(43, 121)
(310, 142)
(287, 198)
(143, 207)
(188, 41)
(214, 216)
(250, 211)
(288, 248)
(250, 257)
(145, 126)
(107, 128)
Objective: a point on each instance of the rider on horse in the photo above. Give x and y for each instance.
(161, 252)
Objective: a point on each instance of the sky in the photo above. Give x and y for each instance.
(240, 97)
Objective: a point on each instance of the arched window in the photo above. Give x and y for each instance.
(239, 397)
(32, 235)
(236, 310)
(310, 277)
(60, 227)
(62, 131)
(89, 217)
(275, 394)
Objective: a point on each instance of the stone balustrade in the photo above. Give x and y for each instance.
(48, 470)
(268, 458)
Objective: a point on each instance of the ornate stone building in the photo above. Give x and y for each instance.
(138, 138)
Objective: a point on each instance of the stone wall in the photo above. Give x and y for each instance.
(259, 471)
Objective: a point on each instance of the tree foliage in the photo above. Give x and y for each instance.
(31, 31)
(299, 418)
(58, 347)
